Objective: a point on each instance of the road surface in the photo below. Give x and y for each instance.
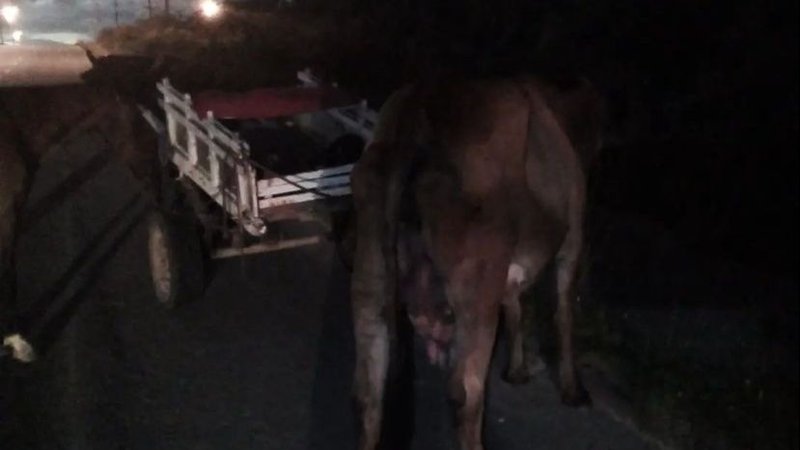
(41, 64)
(263, 361)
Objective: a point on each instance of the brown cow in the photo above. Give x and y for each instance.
(467, 191)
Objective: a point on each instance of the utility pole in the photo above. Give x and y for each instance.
(149, 8)
(166, 7)
(116, 13)
(98, 15)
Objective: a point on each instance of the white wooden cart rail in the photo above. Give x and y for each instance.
(215, 159)
(218, 161)
(357, 119)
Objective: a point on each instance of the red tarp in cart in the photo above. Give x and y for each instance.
(269, 103)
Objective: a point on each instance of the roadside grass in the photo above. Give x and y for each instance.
(690, 376)
(688, 404)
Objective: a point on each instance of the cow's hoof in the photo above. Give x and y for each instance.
(20, 348)
(516, 376)
(576, 397)
(523, 374)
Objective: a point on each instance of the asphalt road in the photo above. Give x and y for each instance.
(41, 64)
(262, 361)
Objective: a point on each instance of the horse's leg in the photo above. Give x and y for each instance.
(18, 346)
(7, 273)
(567, 262)
(13, 189)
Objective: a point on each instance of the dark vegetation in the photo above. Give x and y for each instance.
(690, 301)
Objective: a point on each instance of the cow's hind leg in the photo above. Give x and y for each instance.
(523, 362)
(372, 362)
(370, 303)
(383, 362)
(567, 261)
(476, 294)
(377, 187)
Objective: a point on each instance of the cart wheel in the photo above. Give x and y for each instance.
(176, 259)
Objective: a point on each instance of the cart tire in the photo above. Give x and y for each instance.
(176, 259)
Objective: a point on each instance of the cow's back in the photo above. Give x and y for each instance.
(481, 151)
(504, 149)
(479, 128)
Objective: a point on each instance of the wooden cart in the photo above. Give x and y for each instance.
(219, 196)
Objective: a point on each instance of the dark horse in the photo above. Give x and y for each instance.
(33, 121)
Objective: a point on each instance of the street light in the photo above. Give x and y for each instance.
(10, 13)
(210, 8)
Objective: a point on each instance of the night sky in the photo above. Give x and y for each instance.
(69, 20)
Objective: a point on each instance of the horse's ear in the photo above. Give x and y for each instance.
(92, 58)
